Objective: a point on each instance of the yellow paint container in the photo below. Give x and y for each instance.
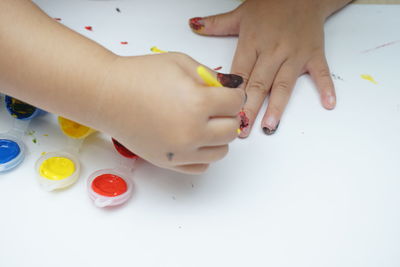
(73, 129)
(57, 170)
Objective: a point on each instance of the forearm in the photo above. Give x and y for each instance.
(48, 65)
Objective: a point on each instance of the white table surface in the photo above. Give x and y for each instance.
(323, 191)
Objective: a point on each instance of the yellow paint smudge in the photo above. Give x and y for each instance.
(155, 49)
(368, 78)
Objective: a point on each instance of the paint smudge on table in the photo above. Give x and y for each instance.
(336, 77)
(89, 28)
(380, 46)
(369, 78)
(124, 43)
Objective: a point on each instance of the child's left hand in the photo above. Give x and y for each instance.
(279, 40)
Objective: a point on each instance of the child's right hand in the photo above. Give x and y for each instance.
(159, 107)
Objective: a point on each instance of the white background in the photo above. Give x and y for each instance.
(323, 191)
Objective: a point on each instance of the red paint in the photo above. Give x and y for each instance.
(244, 120)
(89, 28)
(197, 24)
(109, 185)
(58, 19)
(218, 68)
(124, 43)
(123, 150)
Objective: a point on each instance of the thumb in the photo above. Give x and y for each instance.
(222, 24)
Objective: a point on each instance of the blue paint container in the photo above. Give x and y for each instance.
(12, 151)
(21, 110)
(12, 148)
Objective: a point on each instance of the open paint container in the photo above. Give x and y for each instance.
(60, 169)
(112, 187)
(21, 110)
(12, 148)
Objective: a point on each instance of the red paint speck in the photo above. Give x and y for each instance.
(218, 68)
(123, 150)
(89, 28)
(124, 43)
(109, 185)
(244, 120)
(58, 19)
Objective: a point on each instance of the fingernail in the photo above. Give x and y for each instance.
(331, 101)
(244, 123)
(230, 80)
(197, 23)
(271, 125)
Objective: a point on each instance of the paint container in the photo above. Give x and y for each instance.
(21, 110)
(112, 187)
(61, 169)
(12, 148)
(12, 152)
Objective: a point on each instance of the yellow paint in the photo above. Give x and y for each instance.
(74, 129)
(207, 77)
(368, 78)
(57, 168)
(43, 153)
(155, 49)
(238, 130)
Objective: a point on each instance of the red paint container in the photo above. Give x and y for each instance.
(109, 187)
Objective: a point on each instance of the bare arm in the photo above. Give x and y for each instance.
(48, 65)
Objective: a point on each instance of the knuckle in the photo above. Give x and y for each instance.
(283, 88)
(324, 73)
(258, 86)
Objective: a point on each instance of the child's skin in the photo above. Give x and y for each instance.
(279, 40)
(156, 105)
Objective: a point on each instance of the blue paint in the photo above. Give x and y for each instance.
(21, 110)
(9, 150)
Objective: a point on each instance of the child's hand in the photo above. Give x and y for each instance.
(159, 107)
(279, 40)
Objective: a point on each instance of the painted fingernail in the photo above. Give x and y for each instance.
(271, 125)
(197, 24)
(230, 80)
(244, 123)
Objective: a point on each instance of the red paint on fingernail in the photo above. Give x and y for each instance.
(218, 68)
(124, 43)
(197, 24)
(89, 28)
(244, 121)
